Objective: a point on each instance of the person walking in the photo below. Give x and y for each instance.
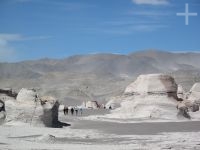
(72, 111)
(66, 110)
(81, 111)
(76, 110)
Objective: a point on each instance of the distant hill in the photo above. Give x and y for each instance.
(99, 75)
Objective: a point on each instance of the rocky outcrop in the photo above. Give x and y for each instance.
(192, 106)
(2, 112)
(50, 112)
(180, 92)
(28, 96)
(183, 111)
(91, 104)
(34, 110)
(194, 94)
(8, 92)
(153, 84)
(152, 96)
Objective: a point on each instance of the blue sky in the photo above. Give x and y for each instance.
(34, 29)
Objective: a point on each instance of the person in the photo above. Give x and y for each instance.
(72, 111)
(65, 110)
(76, 110)
(81, 111)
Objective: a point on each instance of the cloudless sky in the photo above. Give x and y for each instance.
(34, 29)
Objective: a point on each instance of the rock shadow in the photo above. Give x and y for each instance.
(50, 117)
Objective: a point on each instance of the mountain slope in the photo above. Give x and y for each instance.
(99, 75)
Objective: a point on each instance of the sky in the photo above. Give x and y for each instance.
(35, 29)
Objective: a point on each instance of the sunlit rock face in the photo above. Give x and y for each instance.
(30, 108)
(91, 104)
(153, 84)
(151, 96)
(194, 94)
(180, 92)
(27, 96)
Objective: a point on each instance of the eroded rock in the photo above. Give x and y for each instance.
(2, 112)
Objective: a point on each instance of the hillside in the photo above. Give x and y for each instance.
(97, 76)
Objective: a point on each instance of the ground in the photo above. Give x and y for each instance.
(101, 134)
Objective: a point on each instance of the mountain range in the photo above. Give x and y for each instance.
(98, 76)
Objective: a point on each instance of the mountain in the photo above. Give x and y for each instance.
(97, 76)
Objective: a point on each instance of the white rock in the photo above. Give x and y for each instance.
(194, 94)
(27, 96)
(152, 83)
(180, 92)
(149, 97)
(114, 102)
(146, 107)
(91, 104)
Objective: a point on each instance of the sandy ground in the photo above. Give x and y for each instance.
(97, 135)
(138, 128)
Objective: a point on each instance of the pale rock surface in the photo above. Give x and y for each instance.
(27, 96)
(30, 109)
(152, 83)
(152, 96)
(181, 92)
(90, 104)
(194, 94)
(114, 102)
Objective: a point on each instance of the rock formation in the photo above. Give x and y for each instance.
(192, 98)
(152, 96)
(28, 96)
(183, 111)
(50, 112)
(8, 92)
(180, 92)
(91, 104)
(30, 108)
(153, 84)
(194, 94)
(2, 112)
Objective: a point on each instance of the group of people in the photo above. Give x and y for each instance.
(72, 110)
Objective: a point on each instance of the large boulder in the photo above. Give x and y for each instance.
(2, 112)
(192, 106)
(183, 111)
(194, 94)
(27, 96)
(50, 112)
(91, 104)
(152, 96)
(153, 84)
(180, 92)
(31, 109)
